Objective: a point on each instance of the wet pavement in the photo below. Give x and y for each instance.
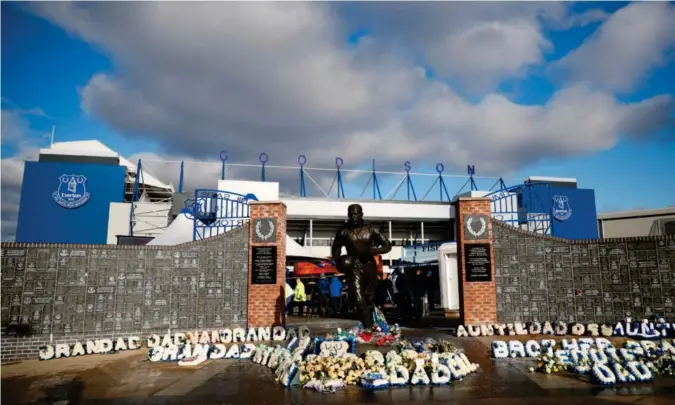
(129, 378)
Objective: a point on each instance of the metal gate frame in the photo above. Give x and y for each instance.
(215, 212)
(507, 206)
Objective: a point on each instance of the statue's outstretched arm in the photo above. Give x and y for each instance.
(383, 245)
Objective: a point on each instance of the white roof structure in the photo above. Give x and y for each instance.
(295, 249)
(181, 231)
(95, 148)
(545, 179)
(638, 213)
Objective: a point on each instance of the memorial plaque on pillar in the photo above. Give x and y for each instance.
(477, 262)
(264, 265)
(475, 227)
(264, 230)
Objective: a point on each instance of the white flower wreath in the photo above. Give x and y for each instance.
(267, 235)
(640, 371)
(603, 375)
(419, 376)
(483, 225)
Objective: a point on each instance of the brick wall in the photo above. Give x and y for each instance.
(605, 280)
(266, 303)
(67, 291)
(478, 299)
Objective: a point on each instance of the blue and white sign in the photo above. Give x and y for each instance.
(561, 209)
(427, 252)
(72, 192)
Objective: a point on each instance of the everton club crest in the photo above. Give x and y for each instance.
(72, 191)
(561, 208)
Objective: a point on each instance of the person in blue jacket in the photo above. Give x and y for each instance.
(336, 294)
(324, 295)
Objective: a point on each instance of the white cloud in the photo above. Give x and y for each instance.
(476, 44)
(497, 134)
(588, 17)
(205, 174)
(278, 78)
(624, 50)
(12, 175)
(19, 136)
(488, 51)
(273, 68)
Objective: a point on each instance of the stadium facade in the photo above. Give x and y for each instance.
(84, 192)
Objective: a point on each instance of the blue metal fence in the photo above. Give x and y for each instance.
(215, 212)
(513, 205)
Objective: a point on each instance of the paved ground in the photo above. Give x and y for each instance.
(129, 378)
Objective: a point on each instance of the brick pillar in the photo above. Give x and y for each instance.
(266, 297)
(477, 288)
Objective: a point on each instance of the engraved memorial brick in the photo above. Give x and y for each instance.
(601, 281)
(115, 290)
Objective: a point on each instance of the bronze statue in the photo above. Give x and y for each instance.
(363, 242)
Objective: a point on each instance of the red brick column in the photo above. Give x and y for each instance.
(266, 303)
(478, 298)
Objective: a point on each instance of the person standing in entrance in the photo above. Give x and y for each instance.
(289, 299)
(335, 295)
(324, 294)
(300, 296)
(362, 242)
(418, 290)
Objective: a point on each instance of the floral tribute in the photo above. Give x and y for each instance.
(334, 363)
(326, 364)
(416, 363)
(329, 363)
(604, 363)
(381, 334)
(645, 329)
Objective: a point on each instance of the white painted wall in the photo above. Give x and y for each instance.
(323, 246)
(321, 237)
(151, 219)
(473, 194)
(448, 274)
(321, 209)
(265, 191)
(505, 207)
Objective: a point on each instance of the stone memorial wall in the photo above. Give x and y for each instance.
(60, 292)
(606, 280)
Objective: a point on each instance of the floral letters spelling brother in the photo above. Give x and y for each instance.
(634, 362)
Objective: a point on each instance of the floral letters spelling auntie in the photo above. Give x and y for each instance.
(642, 329)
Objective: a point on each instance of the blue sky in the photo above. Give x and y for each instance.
(85, 72)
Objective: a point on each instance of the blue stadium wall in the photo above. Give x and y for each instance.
(42, 219)
(582, 222)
